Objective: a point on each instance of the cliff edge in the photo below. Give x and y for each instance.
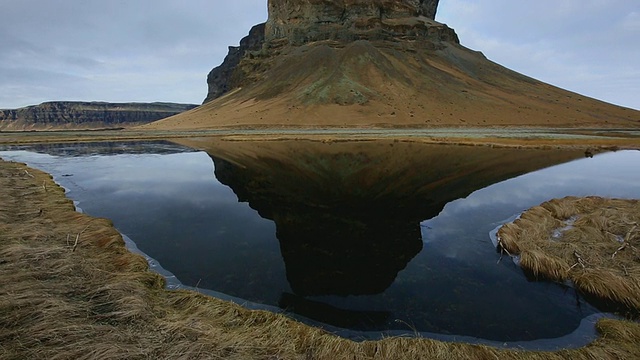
(86, 115)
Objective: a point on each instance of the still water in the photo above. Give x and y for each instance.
(365, 236)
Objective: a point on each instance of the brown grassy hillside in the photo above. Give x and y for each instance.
(383, 83)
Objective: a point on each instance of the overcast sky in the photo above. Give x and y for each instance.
(162, 50)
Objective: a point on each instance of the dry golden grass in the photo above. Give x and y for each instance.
(92, 299)
(593, 242)
(392, 84)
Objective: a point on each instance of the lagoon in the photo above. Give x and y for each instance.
(376, 236)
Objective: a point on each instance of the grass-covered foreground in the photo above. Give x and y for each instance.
(70, 290)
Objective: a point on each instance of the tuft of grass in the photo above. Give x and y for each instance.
(62, 299)
(593, 242)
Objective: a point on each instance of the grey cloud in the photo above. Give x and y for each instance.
(165, 42)
(26, 86)
(582, 46)
(104, 45)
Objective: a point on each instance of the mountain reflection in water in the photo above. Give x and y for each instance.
(348, 214)
(332, 244)
(348, 219)
(352, 234)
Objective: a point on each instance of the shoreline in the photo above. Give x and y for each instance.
(592, 246)
(514, 137)
(582, 336)
(119, 294)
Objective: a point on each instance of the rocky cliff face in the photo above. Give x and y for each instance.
(219, 79)
(77, 115)
(299, 22)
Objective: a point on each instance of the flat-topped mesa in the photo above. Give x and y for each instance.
(86, 115)
(294, 23)
(303, 21)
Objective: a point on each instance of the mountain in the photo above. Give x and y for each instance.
(384, 63)
(86, 115)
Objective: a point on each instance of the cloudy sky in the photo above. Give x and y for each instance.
(162, 50)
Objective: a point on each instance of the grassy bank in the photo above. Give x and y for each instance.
(593, 242)
(70, 290)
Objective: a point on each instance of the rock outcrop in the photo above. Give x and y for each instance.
(220, 78)
(87, 115)
(302, 21)
(298, 22)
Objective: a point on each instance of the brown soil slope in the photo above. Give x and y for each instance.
(417, 83)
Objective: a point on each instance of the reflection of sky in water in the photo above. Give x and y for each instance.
(175, 210)
(611, 175)
(607, 175)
